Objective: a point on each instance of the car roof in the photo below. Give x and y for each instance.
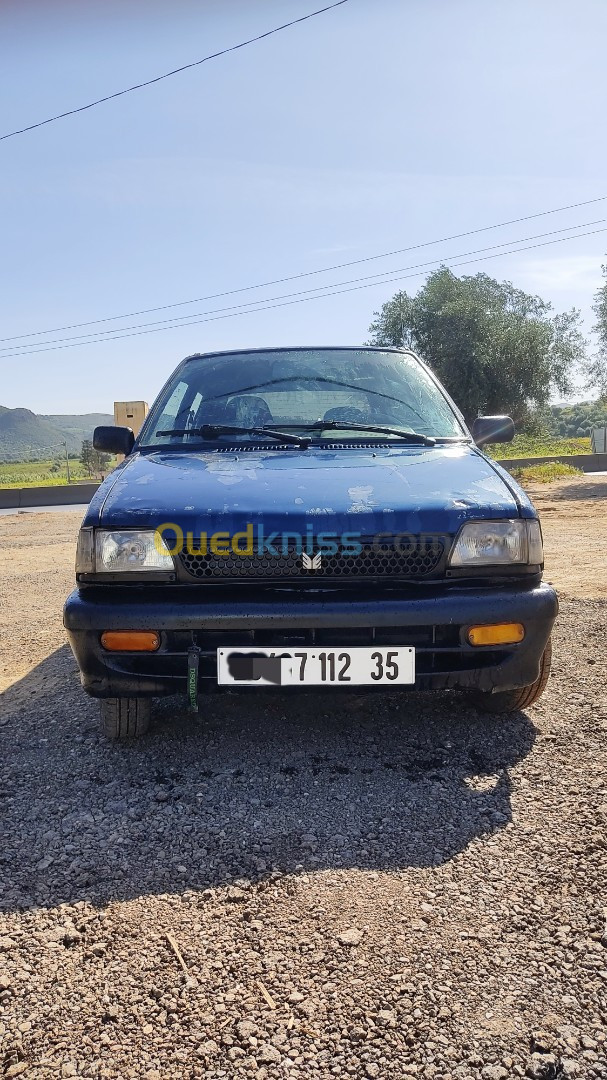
(299, 348)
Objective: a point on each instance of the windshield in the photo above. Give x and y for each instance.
(293, 389)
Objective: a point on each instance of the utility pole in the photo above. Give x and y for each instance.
(67, 462)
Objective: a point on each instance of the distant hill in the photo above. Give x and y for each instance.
(23, 433)
(78, 427)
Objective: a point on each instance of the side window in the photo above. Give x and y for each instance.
(194, 411)
(171, 416)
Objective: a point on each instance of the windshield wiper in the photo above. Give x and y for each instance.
(347, 425)
(212, 431)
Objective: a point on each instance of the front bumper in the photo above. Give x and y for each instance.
(434, 622)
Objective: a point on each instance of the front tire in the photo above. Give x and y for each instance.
(507, 701)
(125, 718)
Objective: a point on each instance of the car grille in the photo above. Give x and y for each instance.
(413, 558)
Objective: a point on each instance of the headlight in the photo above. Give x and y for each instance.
(498, 543)
(129, 551)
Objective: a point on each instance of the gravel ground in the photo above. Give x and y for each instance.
(298, 887)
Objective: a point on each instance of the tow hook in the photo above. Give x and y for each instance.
(193, 663)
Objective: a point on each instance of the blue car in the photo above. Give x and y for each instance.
(307, 517)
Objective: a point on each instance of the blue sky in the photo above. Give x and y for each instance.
(381, 124)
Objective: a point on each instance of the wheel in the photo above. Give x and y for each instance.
(505, 701)
(126, 717)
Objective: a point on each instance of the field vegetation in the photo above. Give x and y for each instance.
(19, 474)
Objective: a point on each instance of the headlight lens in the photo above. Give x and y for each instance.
(129, 551)
(498, 543)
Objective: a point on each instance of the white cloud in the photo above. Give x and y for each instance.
(568, 274)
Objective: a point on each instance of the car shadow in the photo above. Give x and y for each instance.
(259, 783)
(572, 491)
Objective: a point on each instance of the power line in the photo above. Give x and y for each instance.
(176, 71)
(85, 339)
(308, 273)
(39, 449)
(305, 299)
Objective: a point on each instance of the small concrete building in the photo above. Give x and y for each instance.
(130, 414)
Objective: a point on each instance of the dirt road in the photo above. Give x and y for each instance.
(574, 522)
(356, 887)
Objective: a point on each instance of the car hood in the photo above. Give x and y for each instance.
(361, 490)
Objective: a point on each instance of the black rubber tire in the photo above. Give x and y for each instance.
(125, 718)
(507, 701)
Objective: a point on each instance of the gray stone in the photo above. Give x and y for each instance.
(350, 937)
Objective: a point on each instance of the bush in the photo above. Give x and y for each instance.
(545, 474)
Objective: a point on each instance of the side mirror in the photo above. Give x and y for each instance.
(113, 440)
(491, 429)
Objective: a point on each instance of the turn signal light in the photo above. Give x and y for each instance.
(130, 640)
(497, 634)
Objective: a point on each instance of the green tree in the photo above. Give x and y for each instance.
(87, 456)
(596, 367)
(100, 462)
(495, 348)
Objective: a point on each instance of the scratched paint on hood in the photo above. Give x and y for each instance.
(361, 499)
(226, 471)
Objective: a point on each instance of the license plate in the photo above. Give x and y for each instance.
(316, 667)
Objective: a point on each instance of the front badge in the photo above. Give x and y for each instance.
(311, 562)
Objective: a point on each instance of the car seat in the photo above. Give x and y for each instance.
(345, 413)
(249, 410)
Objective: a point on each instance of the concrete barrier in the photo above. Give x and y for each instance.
(586, 462)
(61, 495)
